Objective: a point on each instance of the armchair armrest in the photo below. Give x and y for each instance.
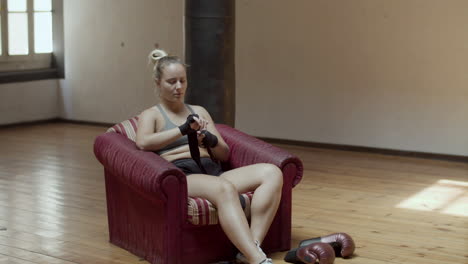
(145, 171)
(246, 150)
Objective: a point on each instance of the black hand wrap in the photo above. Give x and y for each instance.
(191, 133)
(210, 140)
(185, 127)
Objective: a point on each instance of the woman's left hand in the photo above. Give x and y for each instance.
(200, 137)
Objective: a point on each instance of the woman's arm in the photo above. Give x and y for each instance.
(221, 150)
(147, 139)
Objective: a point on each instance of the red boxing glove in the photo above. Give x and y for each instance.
(321, 253)
(342, 243)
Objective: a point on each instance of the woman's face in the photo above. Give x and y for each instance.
(173, 83)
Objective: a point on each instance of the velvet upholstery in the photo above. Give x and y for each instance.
(147, 200)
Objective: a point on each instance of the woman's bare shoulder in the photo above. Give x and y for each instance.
(151, 119)
(152, 112)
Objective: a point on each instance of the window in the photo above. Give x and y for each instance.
(26, 34)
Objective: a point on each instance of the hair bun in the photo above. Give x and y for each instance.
(156, 55)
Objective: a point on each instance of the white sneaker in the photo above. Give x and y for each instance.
(241, 259)
(259, 248)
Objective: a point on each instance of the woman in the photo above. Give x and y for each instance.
(164, 128)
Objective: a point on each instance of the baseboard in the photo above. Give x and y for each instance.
(56, 120)
(31, 123)
(393, 152)
(91, 123)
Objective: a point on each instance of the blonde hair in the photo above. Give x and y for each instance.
(161, 59)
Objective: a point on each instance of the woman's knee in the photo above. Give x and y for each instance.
(225, 190)
(271, 174)
(214, 189)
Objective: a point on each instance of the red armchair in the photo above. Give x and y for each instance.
(147, 200)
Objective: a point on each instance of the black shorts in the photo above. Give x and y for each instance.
(189, 166)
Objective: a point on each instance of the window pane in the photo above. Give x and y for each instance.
(18, 34)
(42, 5)
(17, 5)
(43, 32)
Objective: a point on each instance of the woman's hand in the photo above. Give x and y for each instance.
(200, 137)
(199, 124)
(206, 139)
(193, 123)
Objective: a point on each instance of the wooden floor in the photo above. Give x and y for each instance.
(397, 209)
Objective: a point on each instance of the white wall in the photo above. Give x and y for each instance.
(28, 101)
(376, 73)
(107, 78)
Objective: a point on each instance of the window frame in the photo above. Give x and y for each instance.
(33, 66)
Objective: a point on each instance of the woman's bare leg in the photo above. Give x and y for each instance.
(267, 182)
(225, 197)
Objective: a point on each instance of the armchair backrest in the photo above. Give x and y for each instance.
(127, 128)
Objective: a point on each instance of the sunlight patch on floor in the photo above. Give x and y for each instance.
(444, 196)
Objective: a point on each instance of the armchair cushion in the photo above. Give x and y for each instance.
(203, 212)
